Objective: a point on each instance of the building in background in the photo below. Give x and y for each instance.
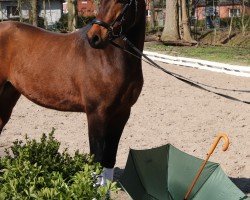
(213, 11)
(210, 10)
(159, 7)
(222, 8)
(51, 11)
(85, 8)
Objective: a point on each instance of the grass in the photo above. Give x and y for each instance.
(224, 54)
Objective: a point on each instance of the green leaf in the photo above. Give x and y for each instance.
(38, 170)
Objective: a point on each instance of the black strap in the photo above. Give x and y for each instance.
(178, 76)
(101, 23)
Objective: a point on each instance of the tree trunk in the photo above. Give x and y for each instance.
(72, 14)
(185, 23)
(19, 5)
(243, 23)
(230, 27)
(1, 11)
(180, 18)
(152, 17)
(34, 5)
(44, 15)
(171, 29)
(96, 3)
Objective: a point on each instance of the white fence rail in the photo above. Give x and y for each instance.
(235, 70)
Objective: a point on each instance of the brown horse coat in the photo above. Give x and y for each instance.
(62, 72)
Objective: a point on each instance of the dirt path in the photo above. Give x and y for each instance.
(168, 111)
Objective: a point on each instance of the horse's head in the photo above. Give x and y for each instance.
(114, 19)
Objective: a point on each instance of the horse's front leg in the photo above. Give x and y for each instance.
(97, 126)
(112, 138)
(104, 136)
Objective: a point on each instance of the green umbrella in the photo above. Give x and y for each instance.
(165, 173)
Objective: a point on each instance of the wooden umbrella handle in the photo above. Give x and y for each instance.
(218, 138)
(210, 152)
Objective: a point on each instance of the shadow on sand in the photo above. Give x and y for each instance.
(118, 173)
(242, 183)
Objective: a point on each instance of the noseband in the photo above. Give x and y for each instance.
(119, 20)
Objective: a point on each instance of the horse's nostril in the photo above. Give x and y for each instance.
(96, 39)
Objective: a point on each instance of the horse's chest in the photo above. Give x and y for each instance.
(113, 89)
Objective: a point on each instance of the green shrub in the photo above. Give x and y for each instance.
(37, 170)
(201, 23)
(237, 22)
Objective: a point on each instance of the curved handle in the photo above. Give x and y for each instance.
(218, 138)
(225, 147)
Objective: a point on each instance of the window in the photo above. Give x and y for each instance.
(234, 12)
(12, 11)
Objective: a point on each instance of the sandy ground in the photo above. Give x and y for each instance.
(168, 111)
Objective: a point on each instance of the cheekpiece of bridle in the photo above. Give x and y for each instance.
(119, 20)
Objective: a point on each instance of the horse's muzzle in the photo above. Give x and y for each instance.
(97, 39)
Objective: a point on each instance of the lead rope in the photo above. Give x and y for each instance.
(177, 76)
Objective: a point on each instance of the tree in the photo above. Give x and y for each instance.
(96, 4)
(244, 22)
(44, 15)
(185, 23)
(176, 20)
(34, 18)
(152, 15)
(171, 28)
(72, 14)
(1, 11)
(19, 6)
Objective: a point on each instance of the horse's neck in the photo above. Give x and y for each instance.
(137, 34)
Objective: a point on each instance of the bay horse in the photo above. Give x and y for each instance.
(78, 72)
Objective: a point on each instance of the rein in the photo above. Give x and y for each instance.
(177, 76)
(139, 54)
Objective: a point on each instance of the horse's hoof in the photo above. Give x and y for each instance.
(106, 175)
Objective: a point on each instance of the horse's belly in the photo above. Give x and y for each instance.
(61, 98)
(62, 104)
(68, 103)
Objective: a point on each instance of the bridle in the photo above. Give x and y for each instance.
(119, 20)
(138, 54)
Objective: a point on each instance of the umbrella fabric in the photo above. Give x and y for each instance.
(165, 173)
